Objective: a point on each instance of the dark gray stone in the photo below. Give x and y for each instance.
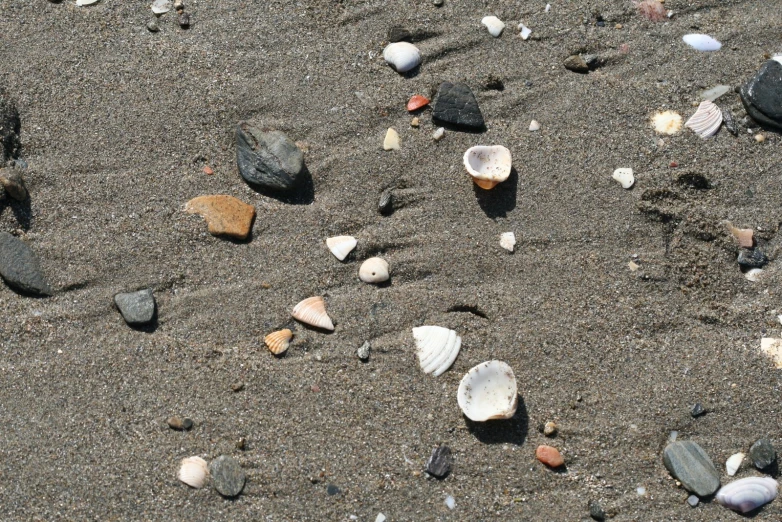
(689, 464)
(754, 258)
(184, 20)
(137, 308)
(19, 267)
(227, 476)
(762, 454)
(576, 64)
(152, 26)
(268, 160)
(596, 512)
(386, 204)
(332, 490)
(10, 127)
(730, 122)
(439, 464)
(762, 95)
(399, 34)
(697, 410)
(456, 106)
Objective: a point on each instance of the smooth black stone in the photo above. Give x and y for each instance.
(227, 476)
(268, 160)
(697, 409)
(332, 490)
(456, 106)
(137, 308)
(689, 464)
(596, 512)
(762, 95)
(19, 267)
(9, 129)
(439, 464)
(399, 34)
(752, 258)
(762, 454)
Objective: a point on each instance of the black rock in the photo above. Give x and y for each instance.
(386, 204)
(332, 490)
(762, 454)
(729, 122)
(439, 464)
(184, 20)
(762, 95)
(697, 410)
(456, 105)
(268, 159)
(576, 64)
(137, 308)
(9, 129)
(688, 463)
(399, 34)
(227, 476)
(596, 512)
(754, 258)
(19, 267)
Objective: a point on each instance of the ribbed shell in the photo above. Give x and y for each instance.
(748, 494)
(341, 246)
(706, 121)
(488, 391)
(312, 311)
(437, 348)
(194, 472)
(278, 342)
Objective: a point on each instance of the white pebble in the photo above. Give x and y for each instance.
(86, 2)
(508, 241)
(641, 490)
(450, 502)
(391, 142)
(161, 6)
(438, 134)
(625, 177)
(525, 31)
(494, 25)
(380, 518)
(534, 125)
(702, 42)
(548, 7)
(672, 436)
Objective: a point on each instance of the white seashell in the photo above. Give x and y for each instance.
(437, 348)
(508, 241)
(488, 391)
(402, 56)
(312, 311)
(161, 6)
(391, 142)
(754, 274)
(772, 347)
(733, 463)
(494, 25)
(438, 134)
(706, 121)
(748, 494)
(702, 42)
(373, 270)
(624, 177)
(524, 31)
(488, 165)
(86, 2)
(667, 122)
(450, 502)
(194, 472)
(341, 246)
(534, 125)
(548, 8)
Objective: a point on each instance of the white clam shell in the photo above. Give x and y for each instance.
(488, 391)
(86, 2)
(341, 246)
(194, 472)
(701, 42)
(625, 177)
(706, 121)
(748, 494)
(754, 274)
(733, 463)
(373, 270)
(508, 241)
(161, 6)
(437, 348)
(402, 56)
(488, 165)
(312, 311)
(494, 25)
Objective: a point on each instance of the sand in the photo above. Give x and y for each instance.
(117, 125)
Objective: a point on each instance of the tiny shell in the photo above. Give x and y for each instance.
(701, 42)
(494, 25)
(341, 246)
(706, 121)
(194, 472)
(86, 2)
(278, 342)
(161, 6)
(772, 347)
(437, 348)
(312, 311)
(733, 463)
(402, 56)
(754, 274)
(488, 391)
(373, 270)
(524, 31)
(667, 122)
(747, 494)
(437, 135)
(534, 125)
(625, 177)
(416, 102)
(488, 165)
(391, 141)
(508, 241)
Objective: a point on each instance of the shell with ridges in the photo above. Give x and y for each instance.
(278, 342)
(748, 494)
(706, 121)
(488, 165)
(437, 348)
(341, 246)
(402, 56)
(194, 472)
(312, 311)
(373, 270)
(488, 391)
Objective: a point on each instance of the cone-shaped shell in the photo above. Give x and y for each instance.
(488, 391)
(373, 270)
(194, 472)
(706, 121)
(437, 348)
(748, 494)
(488, 165)
(341, 246)
(312, 311)
(279, 341)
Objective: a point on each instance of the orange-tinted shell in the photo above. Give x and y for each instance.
(278, 342)
(416, 102)
(312, 311)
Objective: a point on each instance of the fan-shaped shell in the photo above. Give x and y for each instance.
(373, 270)
(437, 348)
(706, 121)
(666, 122)
(341, 246)
(312, 311)
(488, 391)
(488, 165)
(278, 342)
(402, 56)
(194, 472)
(748, 494)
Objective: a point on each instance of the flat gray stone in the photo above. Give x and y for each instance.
(137, 308)
(456, 106)
(762, 454)
(439, 464)
(227, 476)
(691, 466)
(268, 159)
(19, 267)
(762, 95)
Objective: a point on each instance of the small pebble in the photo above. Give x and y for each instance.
(596, 512)
(179, 424)
(184, 20)
(762, 454)
(439, 464)
(391, 141)
(224, 215)
(386, 204)
(332, 490)
(241, 444)
(179, 5)
(380, 518)
(152, 26)
(754, 258)
(550, 429)
(13, 183)
(760, 138)
(508, 241)
(640, 491)
(549, 456)
(693, 500)
(534, 125)
(137, 308)
(228, 477)
(438, 3)
(363, 351)
(697, 410)
(438, 134)
(19, 267)
(237, 387)
(576, 64)
(690, 465)
(415, 122)
(450, 502)
(208, 170)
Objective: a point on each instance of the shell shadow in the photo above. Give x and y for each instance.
(503, 431)
(500, 200)
(301, 194)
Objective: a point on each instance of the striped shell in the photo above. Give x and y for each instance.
(748, 494)
(278, 342)
(194, 472)
(341, 246)
(488, 391)
(437, 348)
(312, 311)
(706, 121)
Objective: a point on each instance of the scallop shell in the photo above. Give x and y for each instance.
(373, 270)
(437, 348)
(706, 121)
(488, 165)
(488, 391)
(341, 246)
(494, 25)
(312, 311)
(278, 342)
(667, 122)
(194, 472)
(733, 463)
(402, 56)
(748, 494)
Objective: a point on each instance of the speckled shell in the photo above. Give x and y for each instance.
(278, 342)
(748, 494)
(194, 472)
(312, 311)
(437, 348)
(488, 165)
(374, 270)
(488, 391)
(341, 246)
(706, 121)
(402, 56)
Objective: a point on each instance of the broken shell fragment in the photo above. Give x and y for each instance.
(437, 348)
(744, 236)
(278, 342)
(754, 274)
(402, 56)
(494, 25)
(667, 122)
(416, 102)
(748, 494)
(772, 347)
(391, 141)
(701, 42)
(706, 121)
(373, 270)
(341, 246)
(194, 472)
(508, 241)
(524, 31)
(160, 7)
(312, 311)
(437, 135)
(625, 177)
(534, 125)
(488, 391)
(733, 463)
(488, 165)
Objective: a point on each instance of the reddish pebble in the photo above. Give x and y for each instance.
(315, 388)
(416, 102)
(673, 165)
(208, 171)
(549, 456)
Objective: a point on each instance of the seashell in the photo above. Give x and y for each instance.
(702, 42)
(715, 92)
(706, 121)
(748, 494)
(86, 2)
(754, 274)
(194, 472)
(278, 342)
(625, 177)
(534, 125)
(160, 7)
(488, 165)
(488, 391)
(341, 246)
(402, 56)
(437, 348)
(373, 270)
(391, 141)
(312, 311)
(437, 135)
(733, 463)
(416, 102)
(494, 25)
(508, 241)
(772, 347)
(667, 122)
(524, 31)
(744, 236)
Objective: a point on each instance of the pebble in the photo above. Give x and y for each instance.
(415, 122)
(729, 122)
(772, 348)
(224, 215)
(576, 64)
(754, 258)
(399, 34)
(625, 177)
(179, 424)
(534, 125)
(693, 500)
(391, 141)
(438, 3)
(227, 476)
(456, 105)
(241, 444)
(19, 267)
(762, 454)
(549, 456)
(386, 204)
(268, 160)
(160, 7)
(596, 512)
(450, 502)
(137, 308)
(439, 464)
(438, 134)
(184, 20)
(691, 466)
(760, 138)
(363, 351)
(13, 183)
(697, 410)
(762, 95)
(237, 387)
(494, 25)
(152, 26)
(332, 490)
(550, 429)
(508, 241)
(380, 518)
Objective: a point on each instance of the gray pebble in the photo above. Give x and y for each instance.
(596, 512)
(9, 129)
(576, 64)
(693, 501)
(332, 490)
(19, 267)
(227, 476)
(137, 308)
(456, 106)
(386, 204)
(152, 26)
(689, 464)
(754, 258)
(697, 410)
(730, 122)
(268, 160)
(179, 424)
(363, 351)
(184, 20)
(439, 464)
(762, 454)
(438, 3)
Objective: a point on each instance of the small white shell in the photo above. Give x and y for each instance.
(772, 347)
(508, 241)
(701, 42)
(373, 270)
(341, 246)
(86, 2)
(748, 494)
(733, 463)
(524, 31)
(488, 391)
(437, 348)
(488, 165)
(667, 122)
(161, 6)
(312, 311)
(534, 125)
(706, 121)
(625, 177)
(402, 56)
(194, 472)
(494, 25)
(391, 141)
(754, 274)
(437, 135)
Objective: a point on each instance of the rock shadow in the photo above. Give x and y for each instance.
(22, 211)
(303, 193)
(500, 200)
(503, 431)
(458, 128)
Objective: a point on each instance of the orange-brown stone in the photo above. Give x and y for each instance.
(416, 102)
(225, 215)
(549, 456)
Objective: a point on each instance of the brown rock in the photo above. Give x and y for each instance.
(225, 215)
(12, 182)
(549, 456)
